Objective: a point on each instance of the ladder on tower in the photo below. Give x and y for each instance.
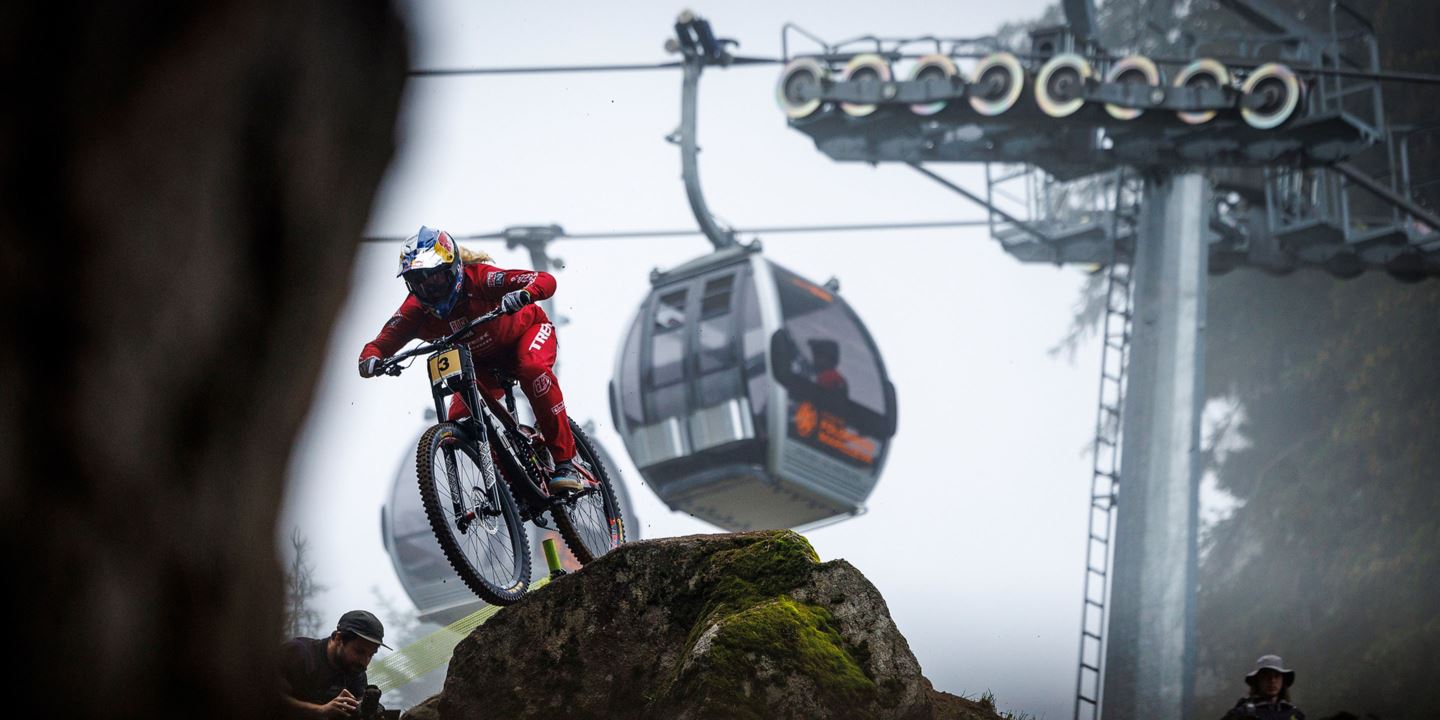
(1105, 474)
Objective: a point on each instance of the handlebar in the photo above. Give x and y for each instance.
(391, 365)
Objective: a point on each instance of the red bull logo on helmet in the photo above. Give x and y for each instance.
(429, 248)
(445, 248)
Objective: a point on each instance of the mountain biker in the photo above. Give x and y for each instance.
(450, 286)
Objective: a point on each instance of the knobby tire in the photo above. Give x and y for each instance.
(438, 510)
(577, 531)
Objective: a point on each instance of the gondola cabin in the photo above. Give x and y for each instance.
(752, 398)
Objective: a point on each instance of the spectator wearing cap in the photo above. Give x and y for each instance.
(1269, 697)
(325, 677)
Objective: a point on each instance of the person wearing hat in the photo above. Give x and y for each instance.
(1269, 697)
(325, 677)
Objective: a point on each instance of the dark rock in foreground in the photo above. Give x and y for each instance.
(742, 626)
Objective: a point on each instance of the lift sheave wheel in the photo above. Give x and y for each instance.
(1132, 70)
(799, 89)
(866, 68)
(1204, 72)
(1060, 86)
(999, 80)
(1279, 91)
(933, 67)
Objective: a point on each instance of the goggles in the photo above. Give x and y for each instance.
(431, 286)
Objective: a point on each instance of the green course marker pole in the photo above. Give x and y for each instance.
(552, 558)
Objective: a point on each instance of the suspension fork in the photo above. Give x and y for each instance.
(487, 500)
(452, 469)
(473, 426)
(480, 436)
(452, 476)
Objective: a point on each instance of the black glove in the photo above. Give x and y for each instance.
(513, 301)
(369, 367)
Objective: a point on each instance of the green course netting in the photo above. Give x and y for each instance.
(397, 669)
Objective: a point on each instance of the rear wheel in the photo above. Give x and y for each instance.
(590, 520)
(473, 516)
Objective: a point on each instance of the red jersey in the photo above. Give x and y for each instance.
(480, 293)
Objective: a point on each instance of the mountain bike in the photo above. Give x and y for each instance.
(484, 476)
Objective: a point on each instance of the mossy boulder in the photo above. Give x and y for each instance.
(749, 625)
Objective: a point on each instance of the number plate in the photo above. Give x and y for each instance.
(444, 366)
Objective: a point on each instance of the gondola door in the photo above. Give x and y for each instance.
(721, 412)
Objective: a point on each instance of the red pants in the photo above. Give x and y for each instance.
(530, 363)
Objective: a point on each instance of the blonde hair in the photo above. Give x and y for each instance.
(471, 257)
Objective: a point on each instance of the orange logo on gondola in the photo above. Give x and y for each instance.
(806, 419)
(813, 290)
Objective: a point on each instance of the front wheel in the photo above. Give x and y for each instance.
(590, 520)
(473, 515)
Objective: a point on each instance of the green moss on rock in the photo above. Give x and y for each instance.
(774, 644)
(748, 636)
(765, 568)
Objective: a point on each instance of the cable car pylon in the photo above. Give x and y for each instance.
(1303, 171)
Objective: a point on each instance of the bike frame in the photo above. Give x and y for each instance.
(533, 498)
